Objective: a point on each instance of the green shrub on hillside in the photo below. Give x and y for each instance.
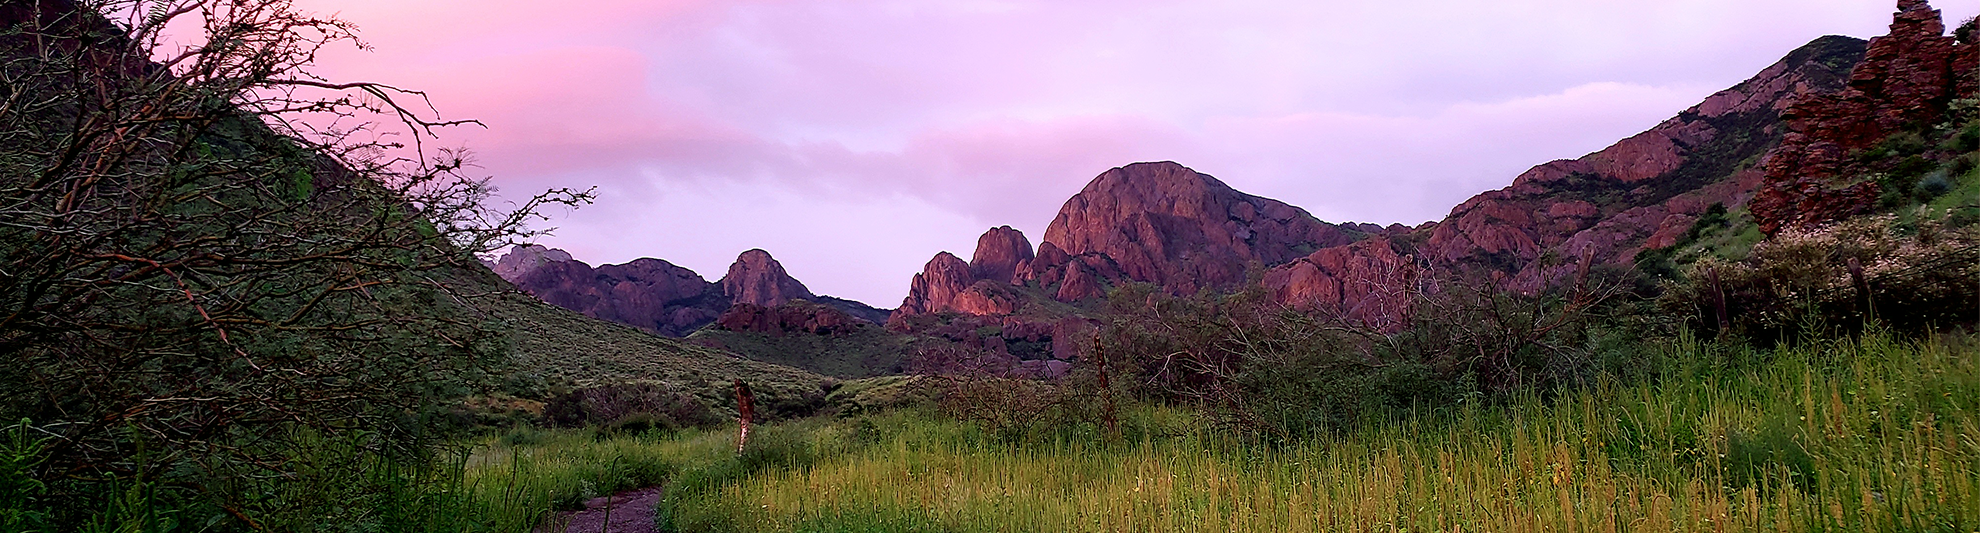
(1913, 274)
(199, 286)
(628, 408)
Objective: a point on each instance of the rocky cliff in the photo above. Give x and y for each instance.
(998, 254)
(649, 294)
(1907, 79)
(948, 285)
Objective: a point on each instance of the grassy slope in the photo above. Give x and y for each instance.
(1844, 437)
(871, 351)
(562, 347)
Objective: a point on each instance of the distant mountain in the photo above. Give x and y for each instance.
(1785, 137)
(658, 296)
(1159, 223)
(1164, 224)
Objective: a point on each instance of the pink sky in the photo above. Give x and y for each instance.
(855, 139)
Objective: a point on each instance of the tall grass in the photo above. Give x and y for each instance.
(1848, 435)
(518, 483)
(1870, 435)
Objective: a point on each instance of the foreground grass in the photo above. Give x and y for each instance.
(1846, 436)
(517, 482)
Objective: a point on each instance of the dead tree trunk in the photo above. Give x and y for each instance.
(745, 410)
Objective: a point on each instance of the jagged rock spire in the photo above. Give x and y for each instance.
(756, 278)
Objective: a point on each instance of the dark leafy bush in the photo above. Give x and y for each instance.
(194, 276)
(631, 408)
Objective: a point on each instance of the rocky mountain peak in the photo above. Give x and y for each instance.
(1170, 225)
(934, 290)
(665, 298)
(998, 253)
(522, 259)
(758, 279)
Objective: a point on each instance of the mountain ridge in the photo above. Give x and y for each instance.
(1185, 232)
(658, 296)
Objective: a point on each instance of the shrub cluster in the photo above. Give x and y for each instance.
(628, 409)
(1259, 369)
(1910, 273)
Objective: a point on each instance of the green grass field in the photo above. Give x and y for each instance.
(1845, 436)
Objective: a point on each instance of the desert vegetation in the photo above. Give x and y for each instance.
(1871, 434)
(228, 303)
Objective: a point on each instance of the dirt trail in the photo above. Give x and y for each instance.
(625, 512)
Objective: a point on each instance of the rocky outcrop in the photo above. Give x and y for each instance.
(758, 279)
(998, 253)
(522, 259)
(1907, 78)
(661, 297)
(1070, 278)
(935, 289)
(1364, 283)
(1643, 192)
(1617, 202)
(1166, 224)
(948, 285)
(1184, 231)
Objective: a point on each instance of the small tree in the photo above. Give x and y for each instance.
(206, 251)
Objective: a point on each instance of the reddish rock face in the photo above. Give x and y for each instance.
(998, 253)
(948, 285)
(756, 278)
(1166, 224)
(1069, 278)
(1908, 77)
(987, 297)
(1628, 197)
(935, 289)
(1365, 283)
